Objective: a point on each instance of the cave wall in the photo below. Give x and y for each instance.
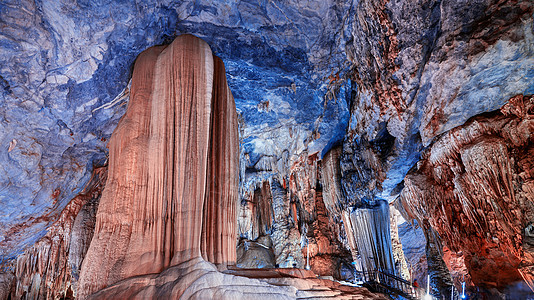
(474, 187)
(401, 74)
(422, 68)
(50, 269)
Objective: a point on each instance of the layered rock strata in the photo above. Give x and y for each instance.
(475, 187)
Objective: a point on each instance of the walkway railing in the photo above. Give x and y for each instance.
(388, 283)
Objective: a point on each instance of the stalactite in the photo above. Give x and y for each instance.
(49, 269)
(331, 181)
(372, 236)
(285, 235)
(474, 187)
(440, 277)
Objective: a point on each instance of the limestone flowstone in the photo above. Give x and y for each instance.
(151, 213)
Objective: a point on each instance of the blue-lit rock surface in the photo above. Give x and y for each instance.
(381, 81)
(65, 68)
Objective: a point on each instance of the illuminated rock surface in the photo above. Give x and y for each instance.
(474, 186)
(336, 103)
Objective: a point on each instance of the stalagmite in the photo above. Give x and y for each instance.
(150, 216)
(401, 265)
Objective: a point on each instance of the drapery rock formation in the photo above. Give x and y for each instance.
(474, 186)
(158, 208)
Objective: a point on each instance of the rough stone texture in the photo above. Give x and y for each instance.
(421, 69)
(474, 186)
(50, 268)
(65, 68)
(7, 284)
(401, 265)
(413, 245)
(417, 69)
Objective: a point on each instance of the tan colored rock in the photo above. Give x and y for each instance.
(219, 231)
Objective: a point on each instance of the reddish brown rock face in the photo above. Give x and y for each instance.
(475, 186)
(158, 209)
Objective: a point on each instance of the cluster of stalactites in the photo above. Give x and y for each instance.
(475, 187)
(371, 229)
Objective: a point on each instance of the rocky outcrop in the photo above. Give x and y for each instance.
(422, 68)
(474, 186)
(50, 269)
(303, 225)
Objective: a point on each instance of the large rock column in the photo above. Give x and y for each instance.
(151, 212)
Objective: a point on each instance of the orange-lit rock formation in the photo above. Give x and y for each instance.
(219, 232)
(475, 187)
(151, 214)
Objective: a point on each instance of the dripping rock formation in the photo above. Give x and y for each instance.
(334, 106)
(475, 187)
(159, 209)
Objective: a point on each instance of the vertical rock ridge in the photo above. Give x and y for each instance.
(219, 231)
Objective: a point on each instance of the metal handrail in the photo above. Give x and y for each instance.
(391, 282)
